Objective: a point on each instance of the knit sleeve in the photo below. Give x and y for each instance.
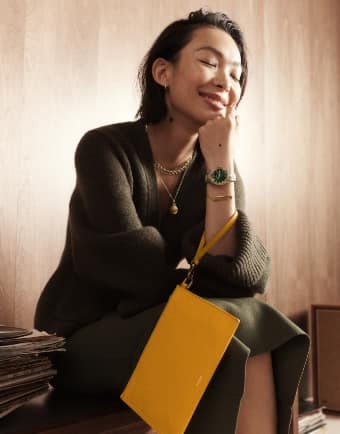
(110, 246)
(225, 276)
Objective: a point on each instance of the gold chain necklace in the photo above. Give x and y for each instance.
(158, 166)
(174, 207)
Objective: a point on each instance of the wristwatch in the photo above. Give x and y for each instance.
(219, 176)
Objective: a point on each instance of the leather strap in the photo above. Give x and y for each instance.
(204, 247)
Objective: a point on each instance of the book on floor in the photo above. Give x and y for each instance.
(312, 419)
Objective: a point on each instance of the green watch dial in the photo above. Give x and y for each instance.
(219, 175)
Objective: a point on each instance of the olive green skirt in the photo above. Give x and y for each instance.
(101, 356)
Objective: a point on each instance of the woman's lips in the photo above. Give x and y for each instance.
(214, 103)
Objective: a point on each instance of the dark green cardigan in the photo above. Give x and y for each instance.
(118, 252)
(120, 256)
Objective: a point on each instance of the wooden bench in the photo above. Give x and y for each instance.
(53, 413)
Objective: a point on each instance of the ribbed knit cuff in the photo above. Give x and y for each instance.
(251, 265)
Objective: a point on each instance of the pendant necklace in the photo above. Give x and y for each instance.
(174, 207)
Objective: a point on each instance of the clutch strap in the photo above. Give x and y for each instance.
(204, 247)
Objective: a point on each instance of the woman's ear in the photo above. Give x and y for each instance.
(161, 71)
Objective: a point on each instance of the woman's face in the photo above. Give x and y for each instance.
(205, 78)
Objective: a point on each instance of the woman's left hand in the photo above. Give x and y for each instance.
(218, 139)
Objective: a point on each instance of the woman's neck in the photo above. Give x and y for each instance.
(171, 144)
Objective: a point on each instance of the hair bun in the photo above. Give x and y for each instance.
(202, 14)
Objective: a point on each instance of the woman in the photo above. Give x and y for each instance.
(145, 192)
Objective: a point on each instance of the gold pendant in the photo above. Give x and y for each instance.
(174, 208)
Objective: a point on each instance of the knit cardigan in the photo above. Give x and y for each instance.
(120, 254)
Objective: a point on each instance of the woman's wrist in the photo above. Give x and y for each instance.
(227, 188)
(225, 163)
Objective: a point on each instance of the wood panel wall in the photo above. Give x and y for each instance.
(70, 65)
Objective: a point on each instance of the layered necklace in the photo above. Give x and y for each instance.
(172, 172)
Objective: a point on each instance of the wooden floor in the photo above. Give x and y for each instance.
(333, 424)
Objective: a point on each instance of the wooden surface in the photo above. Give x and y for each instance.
(325, 325)
(68, 66)
(56, 414)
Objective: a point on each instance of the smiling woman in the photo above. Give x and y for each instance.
(146, 191)
(204, 80)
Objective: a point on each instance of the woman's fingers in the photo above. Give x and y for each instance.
(233, 115)
(233, 97)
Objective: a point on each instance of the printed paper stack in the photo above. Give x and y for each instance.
(25, 368)
(311, 420)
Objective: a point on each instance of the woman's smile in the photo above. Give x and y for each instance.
(215, 101)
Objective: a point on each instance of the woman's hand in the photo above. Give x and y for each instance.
(218, 139)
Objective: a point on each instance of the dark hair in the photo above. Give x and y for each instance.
(174, 37)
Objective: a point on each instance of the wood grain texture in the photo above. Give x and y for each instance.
(67, 66)
(302, 107)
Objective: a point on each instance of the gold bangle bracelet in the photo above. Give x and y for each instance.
(220, 197)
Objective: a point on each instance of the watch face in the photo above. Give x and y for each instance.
(219, 176)
(12, 332)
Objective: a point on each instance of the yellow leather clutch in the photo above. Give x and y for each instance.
(180, 356)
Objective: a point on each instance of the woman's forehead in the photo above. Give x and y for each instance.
(216, 41)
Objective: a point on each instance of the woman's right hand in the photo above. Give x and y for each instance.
(218, 139)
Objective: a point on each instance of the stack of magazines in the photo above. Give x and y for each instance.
(311, 420)
(25, 369)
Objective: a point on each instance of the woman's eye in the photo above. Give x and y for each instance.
(205, 62)
(235, 78)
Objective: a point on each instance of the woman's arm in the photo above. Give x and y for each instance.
(218, 141)
(220, 275)
(218, 212)
(238, 265)
(110, 246)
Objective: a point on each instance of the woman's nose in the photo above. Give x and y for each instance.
(223, 81)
